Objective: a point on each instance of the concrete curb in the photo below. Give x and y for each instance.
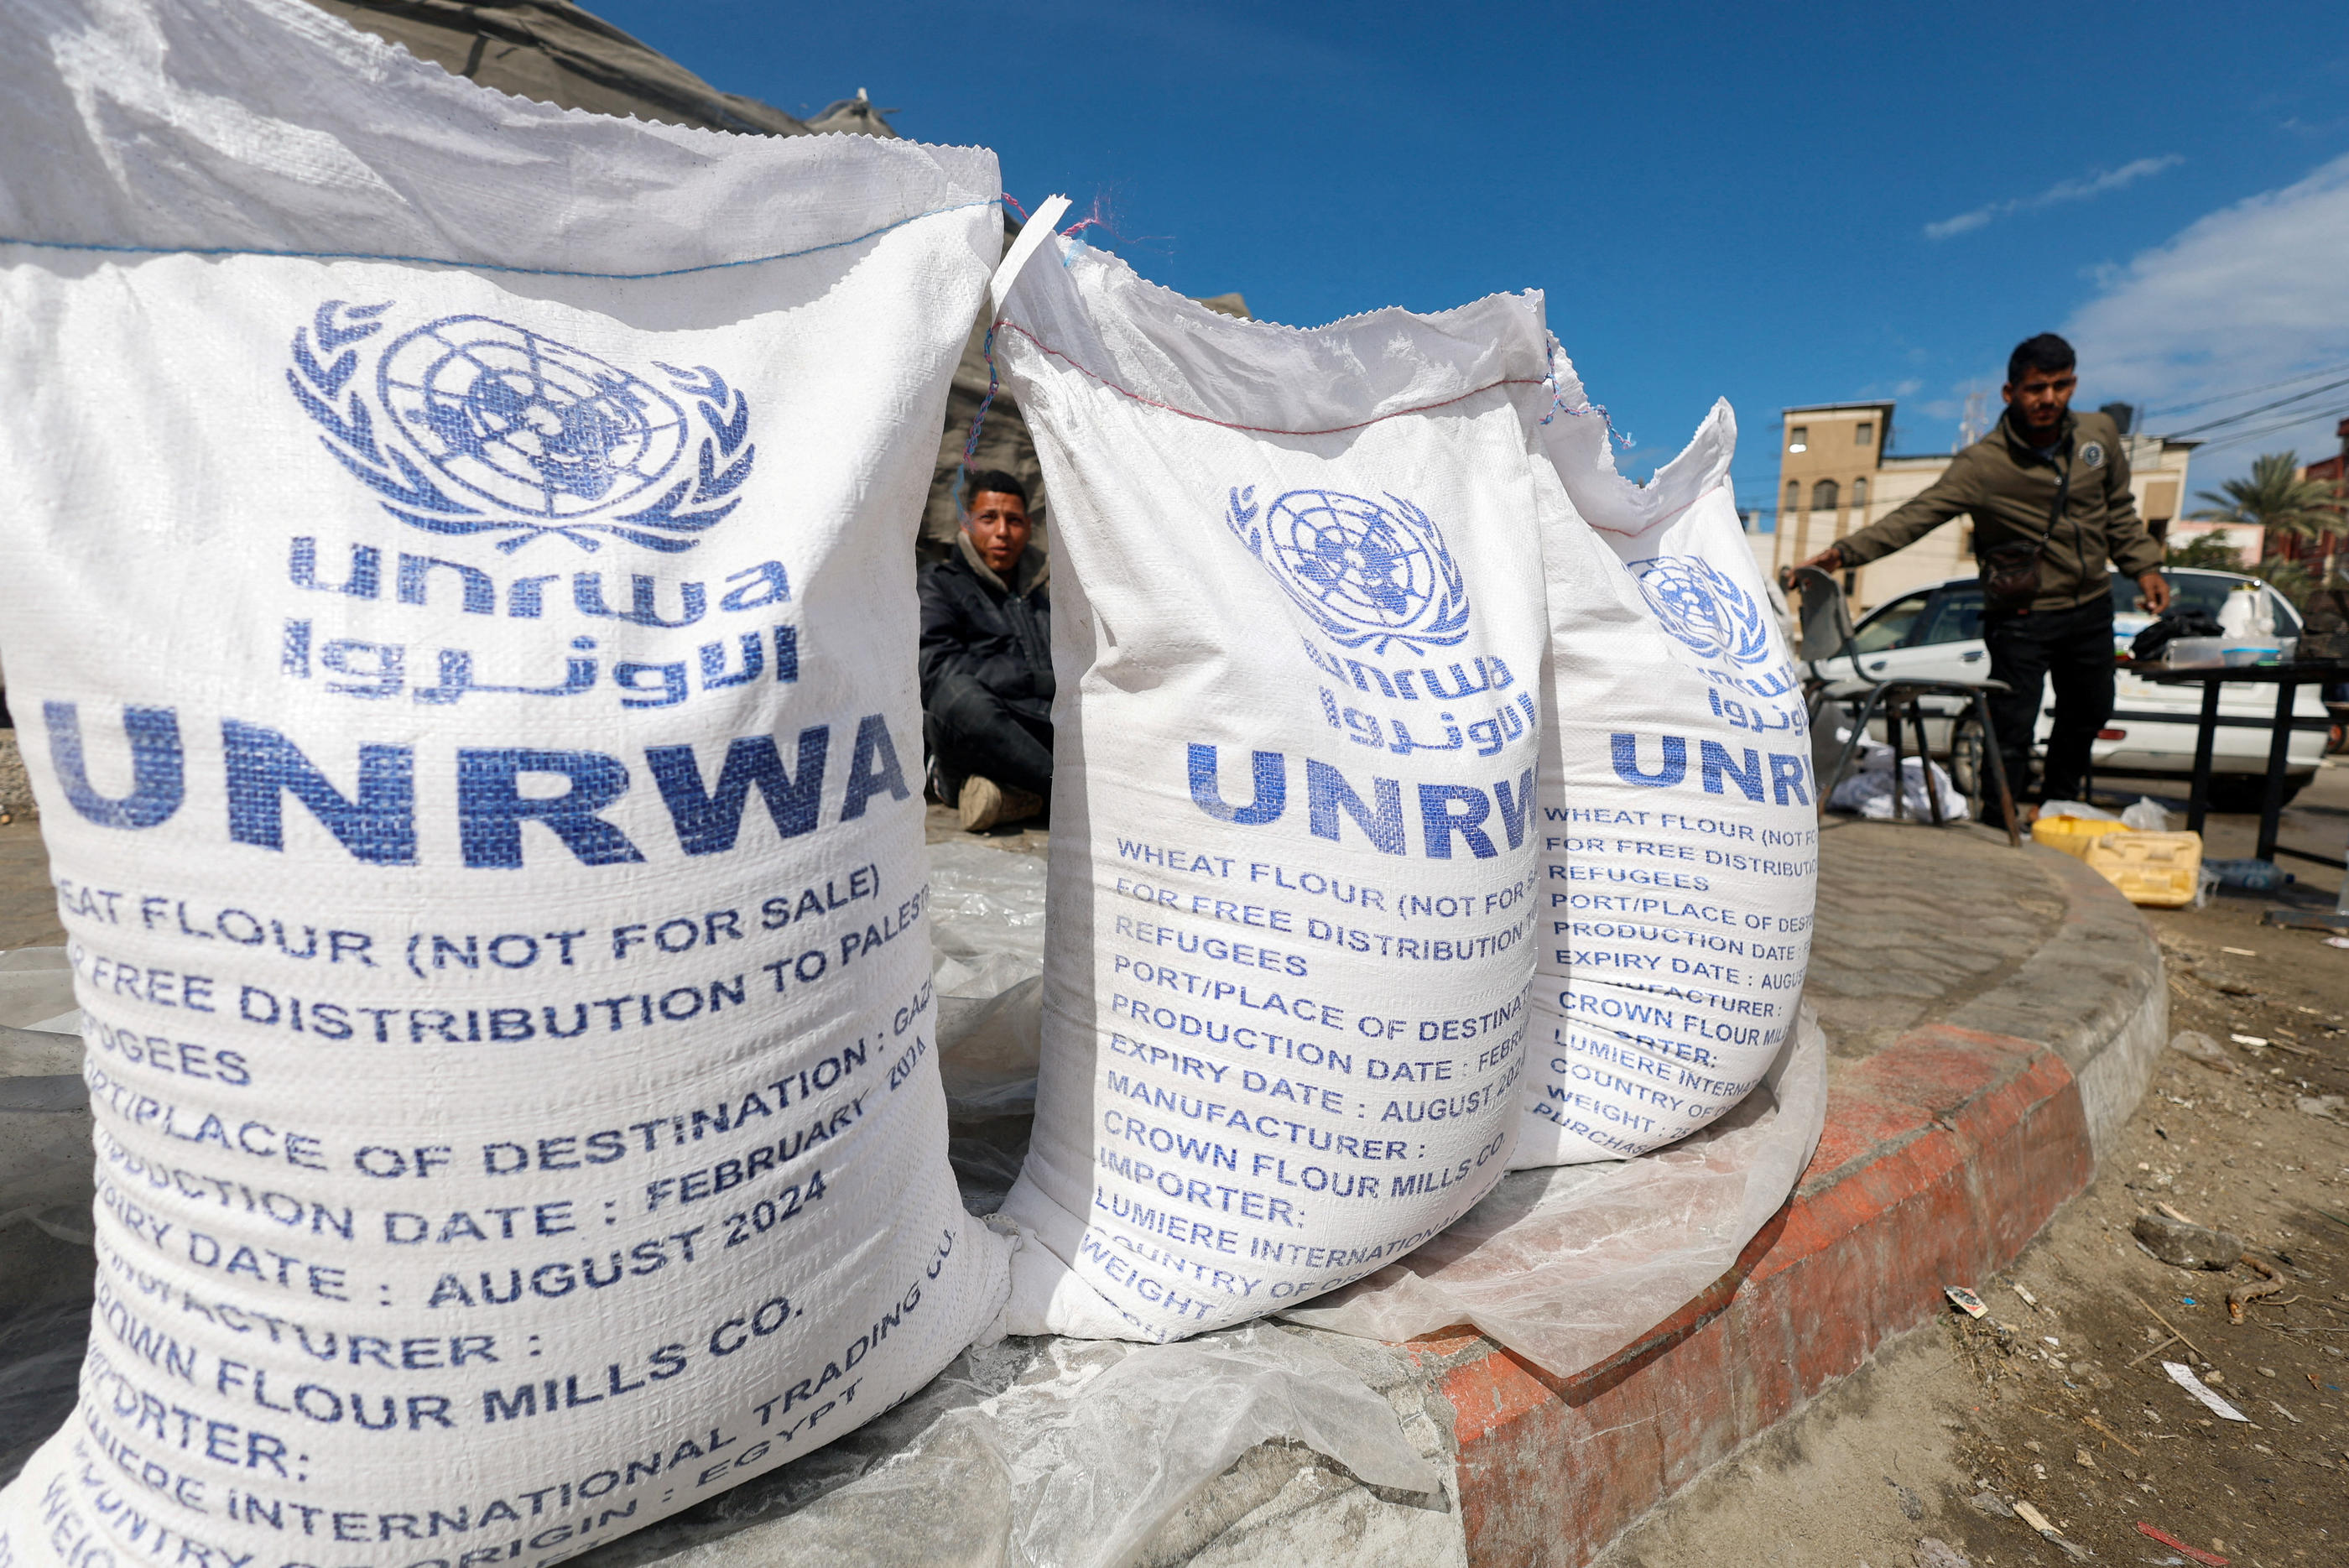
(1943, 1156)
(2095, 995)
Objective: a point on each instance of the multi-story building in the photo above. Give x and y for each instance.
(1838, 473)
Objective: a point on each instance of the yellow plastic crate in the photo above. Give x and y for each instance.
(2159, 870)
(2072, 834)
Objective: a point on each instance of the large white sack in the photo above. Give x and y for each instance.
(472, 708)
(1298, 645)
(1679, 836)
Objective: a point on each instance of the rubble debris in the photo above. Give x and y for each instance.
(2092, 1422)
(1965, 1300)
(2243, 1293)
(1934, 1554)
(2321, 1104)
(2186, 1246)
(1912, 1507)
(2200, 1046)
(2211, 1558)
(2187, 1380)
(1990, 1505)
(2052, 1536)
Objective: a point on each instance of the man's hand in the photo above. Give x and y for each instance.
(1828, 560)
(2153, 592)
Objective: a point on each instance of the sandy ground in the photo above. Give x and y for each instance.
(2065, 1405)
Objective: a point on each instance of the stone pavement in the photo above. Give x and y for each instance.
(1992, 1013)
(1914, 922)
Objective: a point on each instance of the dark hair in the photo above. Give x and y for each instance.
(2046, 352)
(996, 480)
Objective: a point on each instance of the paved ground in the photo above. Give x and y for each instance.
(2058, 1404)
(1914, 922)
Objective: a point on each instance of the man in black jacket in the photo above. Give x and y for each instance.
(987, 661)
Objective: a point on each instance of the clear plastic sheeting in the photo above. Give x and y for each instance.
(1567, 1266)
(1035, 1453)
(987, 924)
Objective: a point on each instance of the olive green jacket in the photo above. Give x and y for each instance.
(2010, 490)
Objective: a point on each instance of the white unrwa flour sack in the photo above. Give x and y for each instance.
(1299, 644)
(1679, 838)
(458, 614)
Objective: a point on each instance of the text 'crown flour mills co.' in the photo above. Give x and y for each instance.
(1293, 822)
(472, 706)
(1679, 838)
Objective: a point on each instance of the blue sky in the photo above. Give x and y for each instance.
(1773, 205)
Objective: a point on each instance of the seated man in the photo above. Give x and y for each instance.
(987, 661)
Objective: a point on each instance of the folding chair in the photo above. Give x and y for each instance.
(1828, 637)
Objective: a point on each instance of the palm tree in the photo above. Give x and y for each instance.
(2278, 500)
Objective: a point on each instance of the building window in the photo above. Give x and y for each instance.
(1864, 433)
(1794, 495)
(1858, 495)
(1823, 495)
(1798, 439)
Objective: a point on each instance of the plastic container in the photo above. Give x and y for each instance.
(2073, 835)
(2248, 876)
(2241, 653)
(2193, 650)
(2157, 869)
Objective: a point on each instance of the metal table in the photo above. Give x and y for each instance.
(2287, 679)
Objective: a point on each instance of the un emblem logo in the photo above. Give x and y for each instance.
(479, 426)
(1701, 605)
(1367, 572)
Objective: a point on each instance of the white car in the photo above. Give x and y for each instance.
(1936, 633)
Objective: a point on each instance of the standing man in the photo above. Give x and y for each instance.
(986, 663)
(2049, 493)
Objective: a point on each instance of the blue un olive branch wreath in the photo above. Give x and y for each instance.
(562, 438)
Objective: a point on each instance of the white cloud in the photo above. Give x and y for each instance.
(2248, 294)
(2079, 190)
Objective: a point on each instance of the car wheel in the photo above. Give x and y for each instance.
(1966, 770)
(2248, 791)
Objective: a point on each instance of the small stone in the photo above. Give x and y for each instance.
(2082, 1458)
(2267, 1372)
(1912, 1507)
(1990, 1505)
(1932, 1554)
(2185, 1246)
(2200, 1046)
